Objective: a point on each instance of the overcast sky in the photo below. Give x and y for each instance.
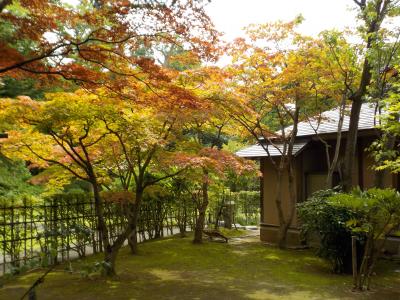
(230, 16)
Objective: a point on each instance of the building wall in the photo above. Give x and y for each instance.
(269, 191)
(368, 177)
(310, 169)
(269, 219)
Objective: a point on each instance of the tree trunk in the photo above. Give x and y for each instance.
(184, 225)
(361, 276)
(110, 259)
(110, 253)
(202, 207)
(285, 223)
(282, 233)
(219, 214)
(133, 220)
(351, 143)
(182, 217)
(132, 223)
(333, 165)
(373, 27)
(292, 197)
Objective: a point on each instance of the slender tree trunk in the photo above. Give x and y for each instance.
(109, 254)
(198, 232)
(218, 216)
(365, 264)
(282, 233)
(333, 165)
(182, 216)
(110, 258)
(132, 223)
(376, 252)
(351, 143)
(133, 220)
(292, 197)
(101, 225)
(286, 222)
(183, 230)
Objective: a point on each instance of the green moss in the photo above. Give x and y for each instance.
(232, 233)
(174, 268)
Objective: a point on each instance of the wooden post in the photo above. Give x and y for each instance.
(4, 243)
(354, 260)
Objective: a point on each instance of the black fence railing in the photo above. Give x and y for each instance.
(64, 227)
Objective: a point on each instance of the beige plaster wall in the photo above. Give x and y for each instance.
(269, 192)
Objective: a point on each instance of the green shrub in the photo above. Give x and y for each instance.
(328, 223)
(375, 214)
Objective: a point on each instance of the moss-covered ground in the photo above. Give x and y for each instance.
(174, 268)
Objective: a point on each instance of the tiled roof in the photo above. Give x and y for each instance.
(330, 119)
(276, 150)
(327, 124)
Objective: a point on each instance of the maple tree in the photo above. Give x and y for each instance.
(148, 111)
(207, 131)
(280, 78)
(145, 147)
(103, 44)
(118, 145)
(64, 131)
(100, 139)
(97, 42)
(87, 135)
(206, 167)
(339, 73)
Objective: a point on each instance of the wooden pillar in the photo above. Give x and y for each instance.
(261, 192)
(360, 155)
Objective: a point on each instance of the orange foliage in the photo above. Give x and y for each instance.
(89, 44)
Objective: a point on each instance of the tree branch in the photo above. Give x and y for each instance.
(56, 163)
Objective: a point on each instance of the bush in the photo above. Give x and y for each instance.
(375, 215)
(328, 223)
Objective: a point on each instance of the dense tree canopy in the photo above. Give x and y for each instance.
(98, 42)
(125, 96)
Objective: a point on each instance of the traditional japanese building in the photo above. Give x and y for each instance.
(311, 165)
